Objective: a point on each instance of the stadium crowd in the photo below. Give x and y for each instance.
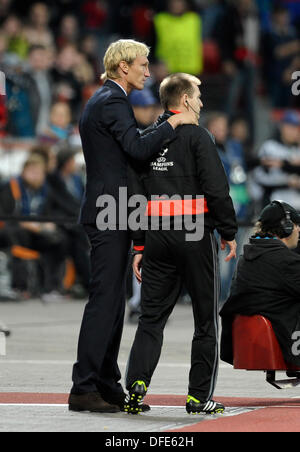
(51, 54)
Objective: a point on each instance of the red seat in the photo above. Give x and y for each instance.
(255, 346)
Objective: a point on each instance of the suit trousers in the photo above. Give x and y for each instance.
(168, 262)
(96, 368)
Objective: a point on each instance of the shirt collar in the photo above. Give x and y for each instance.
(118, 85)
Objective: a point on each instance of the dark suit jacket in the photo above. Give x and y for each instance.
(110, 138)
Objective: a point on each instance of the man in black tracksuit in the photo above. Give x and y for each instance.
(188, 167)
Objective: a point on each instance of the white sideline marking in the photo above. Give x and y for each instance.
(60, 405)
(35, 404)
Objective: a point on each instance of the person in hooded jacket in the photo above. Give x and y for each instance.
(267, 280)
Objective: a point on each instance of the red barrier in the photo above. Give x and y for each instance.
(255, 346)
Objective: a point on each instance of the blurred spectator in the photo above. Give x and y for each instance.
(230, 145)
(210, 10)
(144, 106)
(274, 182)
(68, 32)
(68, 174)
(48, 154)
(83, 70)
(294, 10)
(31, 189)
(178, 36)
(142, 21)
(265, 8)
(29, 195)
(39, 86)
(60, 8)
(236, 150)
(21, 122)
(94, 14)
(239, 187)
(159, 72)
(237, 33)
(37, 30)
(89, 47)
(67, 184)
(217, 124)
(60, 126)
(17, 40)
(280, 46)
(63, 176)
(5, 8)
(66, 87)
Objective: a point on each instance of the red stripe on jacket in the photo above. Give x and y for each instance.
(172, 208)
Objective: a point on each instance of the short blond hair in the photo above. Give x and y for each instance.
(123, 50)
(174, 86)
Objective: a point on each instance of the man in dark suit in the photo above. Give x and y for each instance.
(110, 139)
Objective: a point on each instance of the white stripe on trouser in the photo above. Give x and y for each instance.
(216, 319)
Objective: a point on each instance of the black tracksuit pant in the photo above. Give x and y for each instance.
(96, 368)
(168, 262)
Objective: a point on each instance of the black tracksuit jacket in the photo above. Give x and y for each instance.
(189, 165)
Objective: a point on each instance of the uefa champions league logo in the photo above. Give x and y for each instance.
(2, 84)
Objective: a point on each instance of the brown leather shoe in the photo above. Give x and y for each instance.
(91, 402)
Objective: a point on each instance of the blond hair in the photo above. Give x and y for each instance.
(123, 50)
(174, 86)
